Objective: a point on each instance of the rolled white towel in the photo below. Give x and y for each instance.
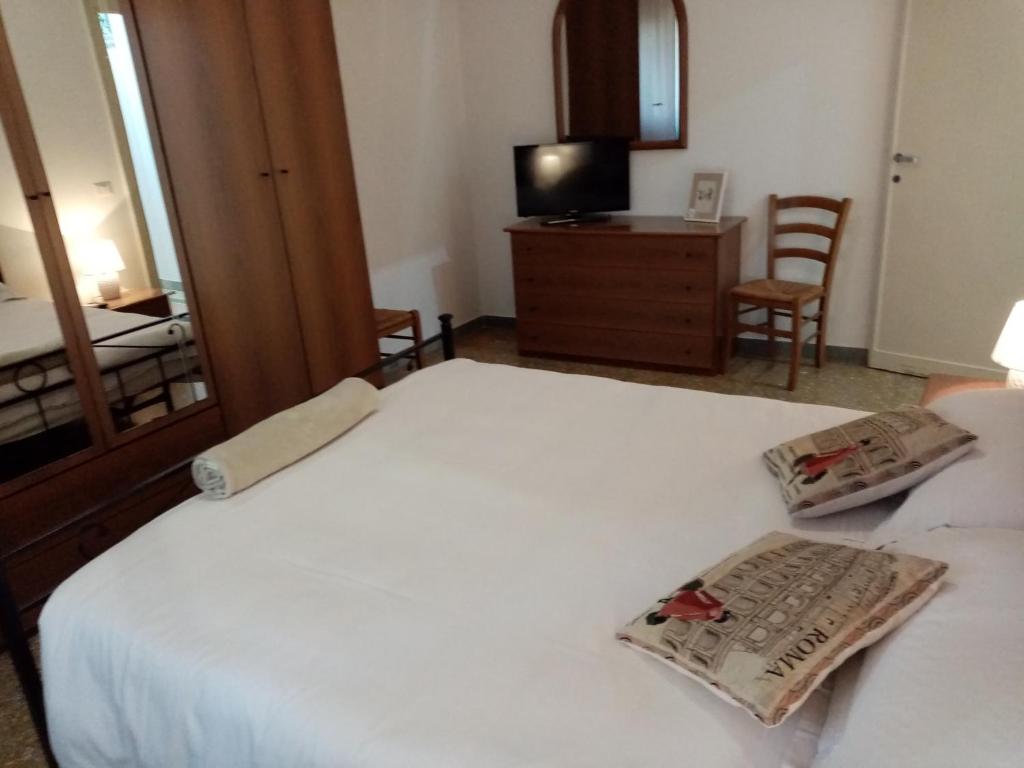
(282, 439)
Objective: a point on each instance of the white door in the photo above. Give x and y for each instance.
(953, 263)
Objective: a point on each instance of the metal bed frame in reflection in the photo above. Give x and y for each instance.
(56, 438)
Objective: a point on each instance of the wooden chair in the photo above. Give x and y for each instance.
(391, 321)
(785, 297)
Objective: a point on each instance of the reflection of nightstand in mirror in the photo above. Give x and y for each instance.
(146, 301)
(940, 385)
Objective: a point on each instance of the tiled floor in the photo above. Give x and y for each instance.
(18, 745)
(842, 384)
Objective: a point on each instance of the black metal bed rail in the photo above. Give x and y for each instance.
(13, 632)
(446, 337)
(161, 321)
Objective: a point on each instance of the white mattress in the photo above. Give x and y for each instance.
(439, 587)
(31, 329)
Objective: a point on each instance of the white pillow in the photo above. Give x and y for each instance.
(985, 489)
(945, 689)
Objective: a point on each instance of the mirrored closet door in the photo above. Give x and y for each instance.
(81, 77)
(42, 418)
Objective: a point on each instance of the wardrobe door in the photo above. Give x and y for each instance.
(207, 105)
(45, 412)
(300, 88)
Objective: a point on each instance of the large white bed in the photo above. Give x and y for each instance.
(441, 586)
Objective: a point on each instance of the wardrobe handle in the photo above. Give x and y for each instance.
(282, 170)
(264, 174)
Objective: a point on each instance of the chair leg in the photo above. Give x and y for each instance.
(417, 335)
(797, 348)
(729, 343)
(820, 351)
(771, 335)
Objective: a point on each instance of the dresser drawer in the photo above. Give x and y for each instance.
(624, 314)
(613, 283)
(38, 569)
(661, 252)
(612, 344)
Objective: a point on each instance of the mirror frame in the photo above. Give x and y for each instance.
(681, 142)
(30, 170)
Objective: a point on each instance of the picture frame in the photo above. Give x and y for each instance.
(706, 195)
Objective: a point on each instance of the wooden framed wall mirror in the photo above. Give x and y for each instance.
(107, 261)
(621, 70)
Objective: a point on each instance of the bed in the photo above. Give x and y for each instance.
(439, 587)
(135, 354)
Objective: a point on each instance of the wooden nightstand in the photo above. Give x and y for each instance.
(940, 385)
(147, 301)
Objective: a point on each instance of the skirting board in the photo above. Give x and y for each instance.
(759, 348)
(744, 347)
(488, 321)
(926, 366)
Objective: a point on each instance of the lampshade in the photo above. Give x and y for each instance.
(101, 257)
(1009, 351)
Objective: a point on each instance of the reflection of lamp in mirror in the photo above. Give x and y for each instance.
(103, 261)
(1009, 351)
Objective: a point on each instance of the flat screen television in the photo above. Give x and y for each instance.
(573, 181)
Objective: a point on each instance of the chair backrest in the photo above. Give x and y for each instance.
(833, 234)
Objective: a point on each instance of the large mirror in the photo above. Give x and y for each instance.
(41, 415)
(620, 70)
(81, 82)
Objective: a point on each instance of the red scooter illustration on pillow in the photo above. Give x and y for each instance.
(690, 603)
(811, 467)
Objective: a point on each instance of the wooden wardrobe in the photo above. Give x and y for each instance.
(248, 97)
(245, 100)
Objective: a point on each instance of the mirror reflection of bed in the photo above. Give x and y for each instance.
(90, 119)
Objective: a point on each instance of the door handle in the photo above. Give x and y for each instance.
(899, 157)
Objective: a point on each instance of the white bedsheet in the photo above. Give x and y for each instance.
(439, 587)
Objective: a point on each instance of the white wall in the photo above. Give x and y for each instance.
(55, 55)
(790, 96)
(402, 75)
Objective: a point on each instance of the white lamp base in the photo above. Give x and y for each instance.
(1015, 380)
(110, 287)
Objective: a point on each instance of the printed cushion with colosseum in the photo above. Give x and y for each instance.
(864, 460)
(766, 625)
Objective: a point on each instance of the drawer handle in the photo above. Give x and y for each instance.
(97, 532)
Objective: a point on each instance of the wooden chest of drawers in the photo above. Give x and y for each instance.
(637, 289)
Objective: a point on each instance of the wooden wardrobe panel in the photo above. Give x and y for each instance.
(200, 69)
(300, 85)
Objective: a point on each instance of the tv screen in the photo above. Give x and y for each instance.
(574, 177)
